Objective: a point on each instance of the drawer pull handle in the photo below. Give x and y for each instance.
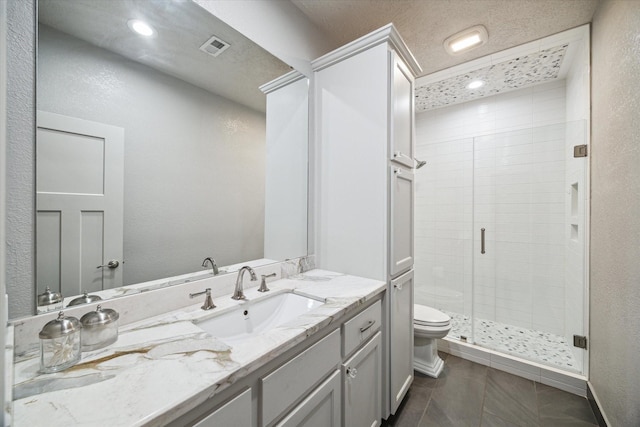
(352, 372)
(369, 325)
(398, 286)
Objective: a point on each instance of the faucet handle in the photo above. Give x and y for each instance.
(263, 284)
(208, 301)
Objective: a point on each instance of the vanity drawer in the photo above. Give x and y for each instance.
(294, 379)
(358, 330)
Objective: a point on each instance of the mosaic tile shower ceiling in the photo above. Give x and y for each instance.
(502, 77)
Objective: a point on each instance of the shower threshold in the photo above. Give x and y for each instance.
(537, 346)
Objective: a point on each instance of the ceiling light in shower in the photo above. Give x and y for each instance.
(466, 40)
(141, 27)
(475, 84)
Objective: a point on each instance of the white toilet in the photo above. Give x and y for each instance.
(429, 324)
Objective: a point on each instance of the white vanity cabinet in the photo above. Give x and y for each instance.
(236, 412)
(281, 388)
(364, 159)
(362, 385)
(401, 143)
(331, 380)
(320, 409)
(401, 220)
(401, 337)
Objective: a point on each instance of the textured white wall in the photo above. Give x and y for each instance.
(520, 280)
(194, 162)
(4, 310)
(615, 212)
(20, 53)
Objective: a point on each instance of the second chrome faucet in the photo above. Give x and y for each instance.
(238, 294)
(212, 261)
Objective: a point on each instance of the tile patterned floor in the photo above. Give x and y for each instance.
(542, 347)
(469, 394)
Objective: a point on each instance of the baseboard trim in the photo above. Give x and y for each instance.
(595, 407)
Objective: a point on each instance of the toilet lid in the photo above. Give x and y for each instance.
(423, 315)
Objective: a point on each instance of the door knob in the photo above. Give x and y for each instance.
(114, 263)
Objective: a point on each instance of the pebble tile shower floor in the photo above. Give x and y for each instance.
(468, 394)
(537, 346)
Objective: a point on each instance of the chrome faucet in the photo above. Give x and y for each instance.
(208, 301)
(213, 264)
(238, 294)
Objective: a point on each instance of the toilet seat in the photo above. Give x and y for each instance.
(428, 316)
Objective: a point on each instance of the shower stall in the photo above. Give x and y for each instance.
(500, 240)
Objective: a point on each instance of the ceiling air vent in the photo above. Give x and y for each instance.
(214, 46)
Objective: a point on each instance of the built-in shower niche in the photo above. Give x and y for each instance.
(574, 212)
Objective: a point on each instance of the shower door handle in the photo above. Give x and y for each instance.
(482, 241)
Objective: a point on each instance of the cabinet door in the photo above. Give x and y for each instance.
(401, 338)
(236, 412)
(287, 384)
(401, 220)
(402, 113)
(320, 409)
(362, 386)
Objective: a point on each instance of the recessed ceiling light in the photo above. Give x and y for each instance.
(141, 27)
(475, 84)
(466, 40)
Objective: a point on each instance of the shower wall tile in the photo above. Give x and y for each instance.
(516, 179)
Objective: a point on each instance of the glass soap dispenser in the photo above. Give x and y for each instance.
(99, 328)
(60, 344)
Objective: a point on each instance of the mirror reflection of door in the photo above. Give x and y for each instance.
(79, 201)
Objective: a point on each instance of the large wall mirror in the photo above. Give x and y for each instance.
(152, 150)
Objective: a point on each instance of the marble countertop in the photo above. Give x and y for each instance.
(162, 367)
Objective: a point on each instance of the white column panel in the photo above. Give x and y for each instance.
(351, 158)
(285, 226)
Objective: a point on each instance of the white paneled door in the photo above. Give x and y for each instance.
(79, 204)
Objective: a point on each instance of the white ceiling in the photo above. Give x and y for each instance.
(425, 24)
(182, 27)
(238, 72)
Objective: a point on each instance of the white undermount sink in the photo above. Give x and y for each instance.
(255, 317)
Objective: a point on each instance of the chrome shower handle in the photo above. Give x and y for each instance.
(482, 241)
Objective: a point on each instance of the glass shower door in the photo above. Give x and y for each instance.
(526, 227)
(443, 231)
